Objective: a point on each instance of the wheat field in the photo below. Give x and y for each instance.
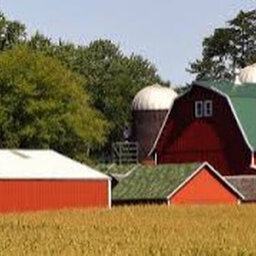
(133, 230)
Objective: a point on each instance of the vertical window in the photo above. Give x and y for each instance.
(199, 111)
(208, 108)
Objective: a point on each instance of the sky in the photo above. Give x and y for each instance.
(167, 32)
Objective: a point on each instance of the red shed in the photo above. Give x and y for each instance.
(213, 122)
(44, 179)
(205, 186)
(177, 184)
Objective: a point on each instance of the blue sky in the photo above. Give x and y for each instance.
(168, 32)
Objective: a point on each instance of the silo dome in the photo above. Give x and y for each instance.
(154, 97)
(248, 74)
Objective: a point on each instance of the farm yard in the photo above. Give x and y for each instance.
(105, 153)
(133, 230)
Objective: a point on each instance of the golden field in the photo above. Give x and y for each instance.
(137, 230)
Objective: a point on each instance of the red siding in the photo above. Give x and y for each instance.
(217, 139)
(204, 188)
(24, 195)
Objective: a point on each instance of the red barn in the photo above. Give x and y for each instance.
(213, 122)
(44, 179)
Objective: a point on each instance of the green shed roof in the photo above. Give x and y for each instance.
(152, 182)
(243, 98)
(115, 168)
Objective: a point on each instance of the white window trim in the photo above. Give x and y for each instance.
(206, 113)
(199, 104)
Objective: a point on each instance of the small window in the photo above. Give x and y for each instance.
(199, 111)
(208, 108)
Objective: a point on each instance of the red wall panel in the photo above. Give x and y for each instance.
(217, 139)
(24, 195)
(204, 188)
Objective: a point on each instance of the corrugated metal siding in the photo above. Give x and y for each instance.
(29, 195)
(215, 139)
(204, 188)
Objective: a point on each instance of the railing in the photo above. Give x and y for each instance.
(125, 152)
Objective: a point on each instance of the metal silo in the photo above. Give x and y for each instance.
(149, 109)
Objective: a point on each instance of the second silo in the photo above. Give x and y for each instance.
(149, 108)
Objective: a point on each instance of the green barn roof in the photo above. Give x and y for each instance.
(243, 98)
(152, 182)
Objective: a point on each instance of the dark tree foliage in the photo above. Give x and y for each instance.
(228, 48)
(11, 32)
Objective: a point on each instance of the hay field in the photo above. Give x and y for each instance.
(137, 230)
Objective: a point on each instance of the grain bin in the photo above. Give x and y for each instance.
(149, 108)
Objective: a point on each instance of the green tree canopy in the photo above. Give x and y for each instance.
(65, 96)
(44, 105)
(228, 48)
(113, 79)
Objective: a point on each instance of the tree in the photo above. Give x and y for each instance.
(64, 52)
(41, 43)
(112, 78)
(228, 48)
(107, 80)
(43, 105)
(11, 33)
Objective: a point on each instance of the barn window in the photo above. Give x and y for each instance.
(199, 110)
(208, 108)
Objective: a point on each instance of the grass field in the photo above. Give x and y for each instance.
(140, 230)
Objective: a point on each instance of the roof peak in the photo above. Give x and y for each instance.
(245, 90)
(242, 101)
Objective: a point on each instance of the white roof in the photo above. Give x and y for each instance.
(43, 164)
(248, 74)
(154, 97)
